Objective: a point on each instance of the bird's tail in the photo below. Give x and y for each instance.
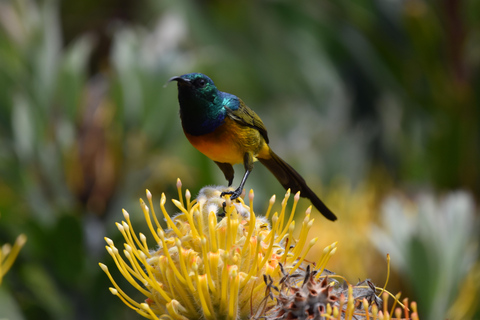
(289, 178)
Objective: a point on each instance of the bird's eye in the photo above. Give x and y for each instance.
(200, 83)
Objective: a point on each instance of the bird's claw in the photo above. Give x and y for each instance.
(224, 211)
(233, 195)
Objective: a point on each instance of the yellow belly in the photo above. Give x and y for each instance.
(229, 142)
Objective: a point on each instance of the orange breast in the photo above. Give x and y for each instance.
(229, 142)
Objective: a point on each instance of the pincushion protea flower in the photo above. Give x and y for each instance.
(307, 295)
(206, 267)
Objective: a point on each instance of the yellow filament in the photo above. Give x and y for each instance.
(388, 274)
(228, 234)
(125, 301)
(204, 288)
(414, 306)
(365, 307)
(206, 263)
(270, 247)
(301, 241)
(121, 228)
(230, 230)
(181, 293)
(169, 258)
(340, 308)
(214, 258)
(130, 300)
(154, 283)
(385, 302)
(330, 254)
(143, 239)
(270, 205)
(322, 259)
(188, 215)
(395, 301)
(325, 257)
(126, 273)
(234, 222)
(251, 227)
(131, 231)
(250, 197)
(388, 293)
(183, 266)
(281, 217)
(196, 212)
(212, 225)
(127, 270)
(350, 303)
(222, 237)
(150, 202)
(380, 315)
(207, 308)
(405, 307)
(168, 275)
(123, 267)
(329, 309)
(190, 203)
(132, 260)
(167, 217)
(232, 305)
(146, 213)
(290, 219)
(275, 222)
(10, 254)
(249, 258)
(159, 270)
(300, 261)
(335, 313)
(158, 285)
(179, 188)
(374, 311)
(173, 308)
(299, 244)
(149, 313)
(224, 282)
(246, 259)
(414, 310)
(146, 277)
(131, 244)
(398, 313)
(253, 270)
(287, 244)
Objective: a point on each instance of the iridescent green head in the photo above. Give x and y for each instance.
(196, 88)
(201, 103)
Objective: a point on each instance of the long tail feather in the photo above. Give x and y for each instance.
(289, 178)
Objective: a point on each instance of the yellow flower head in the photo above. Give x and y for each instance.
(207, 267)
(237, 267)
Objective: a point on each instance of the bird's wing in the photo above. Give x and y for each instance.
(248, 117)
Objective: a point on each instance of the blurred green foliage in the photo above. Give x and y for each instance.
(345, 88)
(435, 265)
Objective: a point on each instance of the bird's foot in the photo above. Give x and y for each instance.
(223, 214)
(233, 195)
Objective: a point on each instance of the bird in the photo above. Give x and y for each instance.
(222, 127)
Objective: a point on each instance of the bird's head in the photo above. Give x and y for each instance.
(196, 86)
(201, 104)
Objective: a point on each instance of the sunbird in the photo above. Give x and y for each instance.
(222, 127)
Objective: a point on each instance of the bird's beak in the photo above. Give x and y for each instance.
(179, 80)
